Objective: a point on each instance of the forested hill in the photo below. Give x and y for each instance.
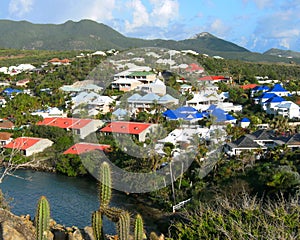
(90, 35)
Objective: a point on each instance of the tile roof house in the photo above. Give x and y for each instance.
(92, 100)
(6, 124)
(287, 109)
(80, 127)
(29, 145)
(5, 138)
(185, 113)
(279, 90)
(83, 147)
(157, 87)
(132, 78)
(136, 129)
(245, 122)
(145, 103)
(260, 139)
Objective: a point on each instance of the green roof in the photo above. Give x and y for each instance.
(140, 74)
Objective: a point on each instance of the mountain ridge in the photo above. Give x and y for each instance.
(90, 35)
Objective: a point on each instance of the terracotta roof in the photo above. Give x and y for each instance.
(6, 124)
(22, 143)
(80, 148)
(249, 86)
(212, 78)
(54, 60)
(70, 123)
(193, 67)
(126, 127)
(5, 135)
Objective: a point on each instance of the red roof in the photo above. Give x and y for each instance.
(126, 127)
(193, 67)
(212, 78)
(249, 86)
(70, 123)
(22, 143)
(80, 148)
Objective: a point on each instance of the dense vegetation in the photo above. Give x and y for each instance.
(241, 187)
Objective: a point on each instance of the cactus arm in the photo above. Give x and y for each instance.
(124, 226)
(42, 219)
(138, 228)
(97, 225)
(105, 184)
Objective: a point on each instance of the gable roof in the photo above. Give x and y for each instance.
(275, 100)
(5, 136)
(294, 140)
(244, 142)
(249, 86)
(82, 147)
(70, 123)
(278, 88)
(126, 127)
(23, 143)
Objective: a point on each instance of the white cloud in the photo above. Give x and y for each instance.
(20, 7)
(158, 14)
(218, 27)
(164, 11)
(140, 15)
(284, 43)
(100, 10)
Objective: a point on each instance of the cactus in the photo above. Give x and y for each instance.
(97, 225)
(42, 219)
(124, 226)
(105, 184)
(138, 228)
(112, 213)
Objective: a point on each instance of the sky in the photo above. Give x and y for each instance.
(257, 25)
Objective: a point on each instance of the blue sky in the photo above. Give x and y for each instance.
(257, 25)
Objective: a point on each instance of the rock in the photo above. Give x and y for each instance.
(88, 233)
(15, 228)
(76, 235)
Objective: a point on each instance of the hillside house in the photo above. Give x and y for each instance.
(5, 138)
(140, 103)
(80, 127)
(135, 129)
(83, 147)
(29, 145)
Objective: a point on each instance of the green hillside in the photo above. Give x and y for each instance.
(90, 35)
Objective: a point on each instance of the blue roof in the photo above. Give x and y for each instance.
(245, 120)
(211, 107)
(135, 96)
(186, 109)
(268, 95)
(221, 115)
(261, 88)
(185, 113)
(150, 97)
(275, 99)
(10, 91)
(278, 88)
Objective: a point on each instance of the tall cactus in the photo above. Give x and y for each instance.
(97, 225)
(105, 184)
(124, 226)
(138, 228)
(42, 219)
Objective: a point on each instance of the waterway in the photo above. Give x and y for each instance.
(72, 200)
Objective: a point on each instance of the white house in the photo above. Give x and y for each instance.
(157, 87)
(29, 145)
(136, 129)
(93, 101)
(287, 109)
(80, 127)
